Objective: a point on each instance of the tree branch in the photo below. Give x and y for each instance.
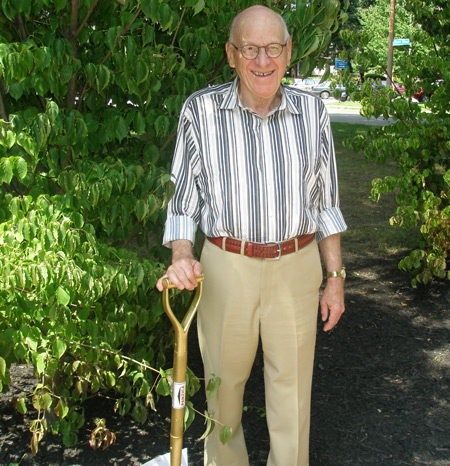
(22, 31)
(216, 71)
(3, 114)
(85, 20)
(126, 29)
(168, 140)
(178, 27)
(114, 353)
(72, 38)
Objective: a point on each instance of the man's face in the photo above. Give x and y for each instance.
(260, 78)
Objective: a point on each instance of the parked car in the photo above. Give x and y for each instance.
(378, 78)
(306, 84)
(423, 96)
(398, 87)
(324, 90)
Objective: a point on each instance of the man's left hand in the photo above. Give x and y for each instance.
(332, 303)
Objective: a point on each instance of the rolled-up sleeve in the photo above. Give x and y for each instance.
(330, 220)
(183, 210)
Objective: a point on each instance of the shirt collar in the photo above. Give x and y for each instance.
(231, 99)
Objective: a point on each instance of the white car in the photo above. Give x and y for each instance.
(306, 84)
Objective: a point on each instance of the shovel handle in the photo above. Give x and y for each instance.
(182, 327)
(179, 366)
(168, 285)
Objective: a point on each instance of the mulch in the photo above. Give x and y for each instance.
(380, 392)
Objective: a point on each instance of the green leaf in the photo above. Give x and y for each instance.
(39, 362)
(70, 439)
(27, 143)
(141, 209)
(163, 387)
(166, 16)
(111, 35)
(189, 415)
(10, 139)
(151, 153)
(148, 35)
(162, 124)
(151, 9)
(141, 71)
(61, 409)
(139, 123)
(2, 369)
(210, 425)
(59, 348)
(21, 407)
(6, 170)
(120, 128)
(20, 168)
(78, 220)
(60, 5)
(225, 434)
(102, 78)
(91, 71)
(212, 386)
(62, 296)
(199, 6)
(16, 90)
(202, 56)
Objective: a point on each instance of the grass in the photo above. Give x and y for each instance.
(347, 104)
(368, 231)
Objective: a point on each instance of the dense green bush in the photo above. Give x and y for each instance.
(90, 93)
(419, 141)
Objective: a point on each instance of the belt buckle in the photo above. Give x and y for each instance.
(278, 243)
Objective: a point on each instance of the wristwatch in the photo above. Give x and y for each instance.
(337, 273)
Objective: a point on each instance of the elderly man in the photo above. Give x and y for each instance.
(254, 166)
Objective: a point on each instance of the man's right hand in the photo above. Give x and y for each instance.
(184, 269)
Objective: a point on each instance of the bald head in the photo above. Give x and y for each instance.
(254, 16)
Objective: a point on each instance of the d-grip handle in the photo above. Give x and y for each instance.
(167, 284)
(181, 328)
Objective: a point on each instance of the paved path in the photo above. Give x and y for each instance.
(351, 115)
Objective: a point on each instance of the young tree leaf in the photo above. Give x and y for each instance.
(21, 406)
(62, 296)
(59, 348)
(6, 170)
(225, 434)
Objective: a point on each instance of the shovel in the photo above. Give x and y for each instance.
(177, 454)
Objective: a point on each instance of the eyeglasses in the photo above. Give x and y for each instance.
(250, 52)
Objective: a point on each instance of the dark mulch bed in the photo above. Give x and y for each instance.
(380, 396)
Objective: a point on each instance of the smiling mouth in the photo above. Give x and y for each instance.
(262, 75)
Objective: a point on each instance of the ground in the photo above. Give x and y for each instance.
(380, 395)
(382, 377)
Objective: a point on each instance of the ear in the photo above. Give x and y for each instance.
(289, 51)
(230, 55)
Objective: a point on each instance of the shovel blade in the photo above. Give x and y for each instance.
(164, 460)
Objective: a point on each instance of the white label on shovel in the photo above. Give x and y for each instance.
(179, 395)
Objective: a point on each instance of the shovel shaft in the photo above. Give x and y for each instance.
(179, 368)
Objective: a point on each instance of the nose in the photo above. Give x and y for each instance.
(262, 57)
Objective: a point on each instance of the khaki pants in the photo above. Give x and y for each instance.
(245, 298)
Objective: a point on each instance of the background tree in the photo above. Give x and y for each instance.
(419, 141)
(90, 93)
(370, 24)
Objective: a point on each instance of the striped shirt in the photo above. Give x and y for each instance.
(257, 179)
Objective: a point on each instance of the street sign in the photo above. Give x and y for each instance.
(401, 42)
(341, 64)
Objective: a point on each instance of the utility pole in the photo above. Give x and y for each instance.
(391, 44)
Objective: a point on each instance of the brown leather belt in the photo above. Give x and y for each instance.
(262, 250)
